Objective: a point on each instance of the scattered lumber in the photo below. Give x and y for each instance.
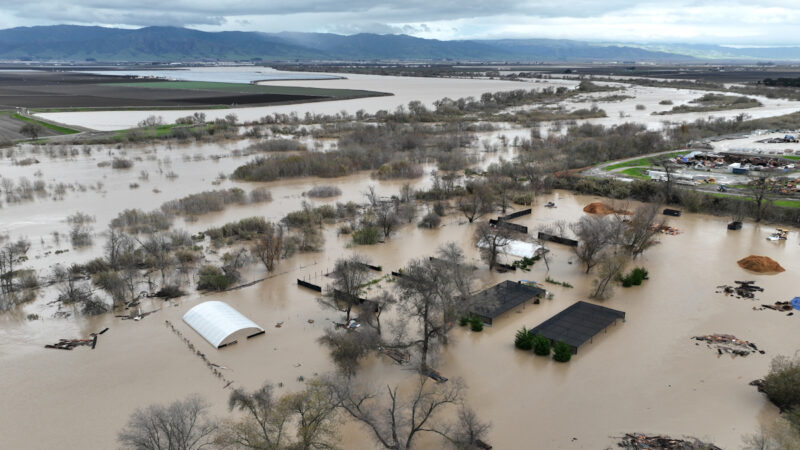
(746, 289)
(637, 441)
(436, 376)
(398, 356)
(730, 344)
(69, 344)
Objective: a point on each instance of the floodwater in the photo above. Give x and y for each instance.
(642, 375)
(404, 90)
(428, 90)
(231, 74)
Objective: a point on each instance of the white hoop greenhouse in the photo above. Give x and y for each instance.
(220, 324)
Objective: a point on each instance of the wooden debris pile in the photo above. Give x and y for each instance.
(746, 289)
(728, 343)
(779, 306)
(69, 344)
(638, 441)
(666, 229)
(398, 356)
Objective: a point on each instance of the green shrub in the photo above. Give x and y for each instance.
(212, 278)
(523, 339)
(476, 324)
(635, 277)
(463, 321)
(367, 235)
(431, 220)
(438, 208)
(782, 383)
(561, 351)
(541, 345)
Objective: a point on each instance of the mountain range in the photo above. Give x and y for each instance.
(162, 44)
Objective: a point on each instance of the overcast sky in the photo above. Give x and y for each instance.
(735, 22)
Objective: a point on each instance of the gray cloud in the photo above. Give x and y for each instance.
(718, 21)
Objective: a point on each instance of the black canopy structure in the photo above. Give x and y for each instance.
(578, 323)
(502, 297)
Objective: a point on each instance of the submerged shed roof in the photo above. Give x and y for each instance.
(502, 297)
(219, 323)
(578, 323)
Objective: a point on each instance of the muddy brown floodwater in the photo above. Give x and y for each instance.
(642, 375)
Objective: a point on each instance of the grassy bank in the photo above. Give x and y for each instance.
(50, 126)
(646, 161)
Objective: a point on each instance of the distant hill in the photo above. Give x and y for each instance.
(80, 43)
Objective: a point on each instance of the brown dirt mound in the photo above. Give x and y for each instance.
(760, 264)
(603, 209)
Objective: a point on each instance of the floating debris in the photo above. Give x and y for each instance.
(746, 289)
(69, 344)
(398, 356)
(666, 229)
(730, 344)
(778, 306)
(637, 441)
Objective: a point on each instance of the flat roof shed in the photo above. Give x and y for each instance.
(502, 297)
(578, 323)
(220, 324)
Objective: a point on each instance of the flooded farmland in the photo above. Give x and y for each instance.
(644, 374)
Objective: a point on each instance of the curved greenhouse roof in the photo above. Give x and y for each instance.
(220, 324)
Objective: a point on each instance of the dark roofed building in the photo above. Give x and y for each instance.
(502, 297)
(578, 323)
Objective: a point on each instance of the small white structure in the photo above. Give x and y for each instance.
(220, 324)
(520, 249)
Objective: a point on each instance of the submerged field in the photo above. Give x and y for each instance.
(49, 91)
(642, 375)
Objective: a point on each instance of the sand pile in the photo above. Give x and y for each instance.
(760, 264)
(603, 209)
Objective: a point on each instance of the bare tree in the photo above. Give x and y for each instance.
(372, 309)
(611, 265)
(669, 168)
(386, 217)
(11, 254)
(348, 347)
(395, 423)
(80, 229)
(431, 295)
(474, 206)
(760, 187)
(545, 253)
(268, 246)
(158, 246)
(349, 277)
(492, 241)
(268, 420)
(315, 411)
(639, 234)
(372, 196)
(595, 234)
(263, 425)
(182, 425)
(31, 129)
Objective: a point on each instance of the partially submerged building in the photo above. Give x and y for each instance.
(502, 297)
(220, 324)
(578, 323)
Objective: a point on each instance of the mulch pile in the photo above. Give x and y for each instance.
(637, 441)
(603, 209)
(760, 264)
